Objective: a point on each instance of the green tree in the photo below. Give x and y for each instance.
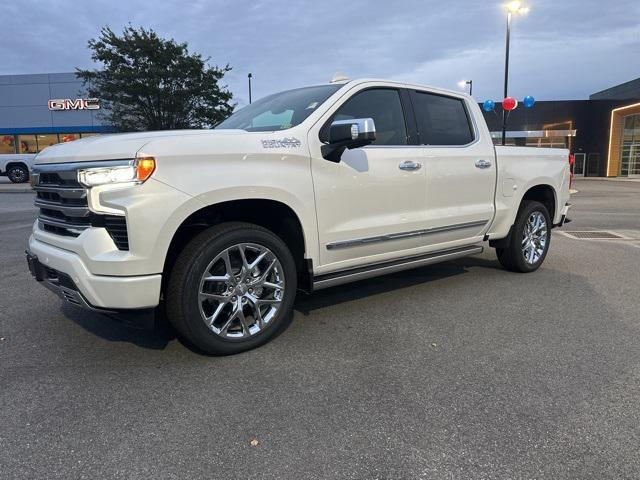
(149, 83)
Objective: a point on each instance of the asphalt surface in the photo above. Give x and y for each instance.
(454, 371)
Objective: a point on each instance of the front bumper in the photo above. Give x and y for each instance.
(65, 273)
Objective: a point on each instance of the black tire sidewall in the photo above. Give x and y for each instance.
(23, 179)
(193, 326)
(517, 256)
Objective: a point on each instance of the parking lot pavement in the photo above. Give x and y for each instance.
(459, 370)
(7, 187)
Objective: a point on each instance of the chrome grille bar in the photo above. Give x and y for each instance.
(63, 192)
(67, 210)
(73, 230)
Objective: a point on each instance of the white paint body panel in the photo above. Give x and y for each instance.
(365, 195)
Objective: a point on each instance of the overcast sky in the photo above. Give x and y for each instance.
(563, 49)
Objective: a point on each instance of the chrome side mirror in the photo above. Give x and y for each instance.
(344, 134)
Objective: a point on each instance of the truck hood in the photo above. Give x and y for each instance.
(114, 146)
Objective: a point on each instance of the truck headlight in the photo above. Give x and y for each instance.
(134, 172)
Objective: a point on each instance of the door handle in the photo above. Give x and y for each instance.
(409, 165)
(482, 164)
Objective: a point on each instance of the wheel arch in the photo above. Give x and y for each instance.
(273, 215)
(15, 163)
(543, 193)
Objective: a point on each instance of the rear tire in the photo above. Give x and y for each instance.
(529, 241)
(18, 174)
(232, 288)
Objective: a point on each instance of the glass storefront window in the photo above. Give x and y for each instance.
(547, 142)
(46, 140)
(7, 144)
(630, 155)
(36, 143)
(27, 144)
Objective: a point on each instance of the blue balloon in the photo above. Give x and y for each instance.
(529, 101)
(489, 105)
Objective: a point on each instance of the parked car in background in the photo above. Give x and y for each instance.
(305, 189)
(16, 166)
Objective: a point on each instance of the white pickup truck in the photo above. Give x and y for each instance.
(17, 167)
(305, 189)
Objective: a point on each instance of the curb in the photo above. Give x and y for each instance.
(16, 190)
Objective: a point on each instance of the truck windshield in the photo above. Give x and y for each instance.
(279, 111)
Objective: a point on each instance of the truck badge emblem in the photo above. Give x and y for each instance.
(283, 143)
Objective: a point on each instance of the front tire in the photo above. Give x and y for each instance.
(232, 288)
(18, 174)
(529, 241)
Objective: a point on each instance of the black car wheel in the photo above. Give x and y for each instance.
(18, 174)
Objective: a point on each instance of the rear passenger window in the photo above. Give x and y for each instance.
(441, 120)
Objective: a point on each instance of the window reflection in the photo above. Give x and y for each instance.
(7, 144)
(69, 137)
(45, 141)
(27, 144)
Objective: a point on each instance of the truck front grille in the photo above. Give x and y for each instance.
(62, 202)
(64, 211)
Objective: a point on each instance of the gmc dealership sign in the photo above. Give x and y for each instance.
(77, 104)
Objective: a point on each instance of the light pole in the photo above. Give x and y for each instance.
(515, 7)
(249, 77)
(463, 83)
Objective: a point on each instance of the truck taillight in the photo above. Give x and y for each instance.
(572, 160)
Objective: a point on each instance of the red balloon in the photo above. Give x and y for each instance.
(509, 104)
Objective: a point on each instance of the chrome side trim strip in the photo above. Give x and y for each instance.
(397, 236)
(369, 271)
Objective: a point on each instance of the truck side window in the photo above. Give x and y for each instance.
(441, 120)
(383, 105)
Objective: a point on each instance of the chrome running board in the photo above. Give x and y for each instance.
(377, 269)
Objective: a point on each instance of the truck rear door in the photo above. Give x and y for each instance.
(459, 160)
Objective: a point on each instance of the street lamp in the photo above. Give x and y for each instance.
(249, 77)
(463, 83)
(513, 8)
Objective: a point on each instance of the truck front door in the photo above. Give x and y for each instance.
(369, 203)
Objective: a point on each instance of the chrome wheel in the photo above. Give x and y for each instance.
(534, 237)
(241, 291)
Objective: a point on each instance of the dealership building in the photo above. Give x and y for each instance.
(43, 109)
(603, 132)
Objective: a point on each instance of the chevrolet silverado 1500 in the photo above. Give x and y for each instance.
(305, 189)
